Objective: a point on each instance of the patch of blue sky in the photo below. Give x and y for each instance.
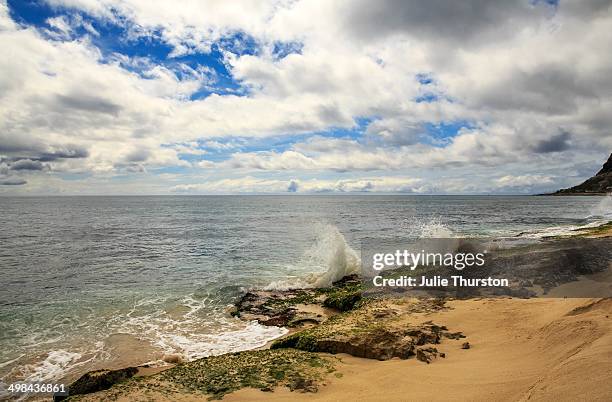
(551, 3)
(170, 170)
(30, 12)
(158, 52)
(282, 143)
(114, 39)
(281, 50)
(424, 79)
(75, 176)
(218, 149)
(355, 133)
(239, 43)
(440, 134)
(427, 98)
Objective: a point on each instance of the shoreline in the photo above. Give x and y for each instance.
(437, 344)
(540, 332)
(558, 194)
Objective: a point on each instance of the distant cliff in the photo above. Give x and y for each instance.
(601, 183)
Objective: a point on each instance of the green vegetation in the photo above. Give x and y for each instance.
(215, 376)
(262, 369)
(348, 324)
(343, 300)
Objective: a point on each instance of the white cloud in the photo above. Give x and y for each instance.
(250, 184)
(535, 85)
(523, 181)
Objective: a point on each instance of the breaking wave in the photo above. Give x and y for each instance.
(603, 209)
(331, 254)
(434, 229)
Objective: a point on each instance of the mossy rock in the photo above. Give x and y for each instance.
(343, 300)
(372, 330)
(260, 369)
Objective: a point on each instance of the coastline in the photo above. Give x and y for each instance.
(558, 194)
(515, 331)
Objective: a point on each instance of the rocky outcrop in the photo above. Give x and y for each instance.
(100, 380)
(213, 377)
(373, 331)
(607, 167)
(291, 308)
(601, 183)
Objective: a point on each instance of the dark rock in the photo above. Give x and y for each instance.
(380, 343)
(465, 345)
(60, 396)
(304, 318)
(99, 380)
(277, 307)
(426, 355)
(303, 384)
(453, 335)
(607, 167)
(601, 183)
(522, 293)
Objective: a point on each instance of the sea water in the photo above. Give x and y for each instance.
(92, 282)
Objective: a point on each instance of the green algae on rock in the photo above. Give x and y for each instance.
(373, 331)
(215, 376)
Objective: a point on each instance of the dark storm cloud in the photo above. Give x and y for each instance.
(87, 103)
(556, 143)
(457, 21)
(69, 152)
(27, 164)
(21, 152)
(12, 181)
(10, 144)
(551, 89)
(139, 155)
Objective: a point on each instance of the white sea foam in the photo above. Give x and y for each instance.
(251, 336)
(54, 366)
(558, 230)
(599, 215)
(603, 209)
(331, 254)
(200, 329)
(434, 229)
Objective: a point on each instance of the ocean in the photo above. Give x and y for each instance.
(93, 282)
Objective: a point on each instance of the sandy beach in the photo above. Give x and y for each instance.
(520, 349)
(535, 349)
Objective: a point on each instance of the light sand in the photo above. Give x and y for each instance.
(535, 349)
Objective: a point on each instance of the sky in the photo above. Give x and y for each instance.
(294, 96)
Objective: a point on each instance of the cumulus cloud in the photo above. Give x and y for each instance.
(525, 184)
(260, 185)
(532, 79)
